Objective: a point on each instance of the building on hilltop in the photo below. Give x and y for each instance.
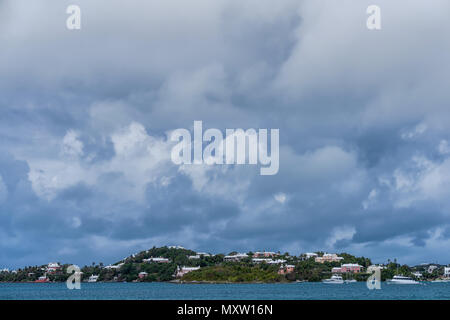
(235, 258)
(265, 254)
(328, 257)
(158, 260)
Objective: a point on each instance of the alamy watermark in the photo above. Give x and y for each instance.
(74, 280)
(374, 20)
(374, 281)
(73, 22)
(238, 147)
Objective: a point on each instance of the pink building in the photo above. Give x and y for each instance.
(328, 257)
(286, 269)
(348, 268)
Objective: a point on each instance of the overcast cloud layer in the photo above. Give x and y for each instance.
(364, 119)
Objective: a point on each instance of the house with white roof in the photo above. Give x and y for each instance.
(278, 261)
(285, 269)
(261, 260)
(158, 260)
(181, 271)
(236, 257)
(113, 267)
(203, 254)
(176, 247)
(265, 254)
(310, 255)
(53, 267)
(446, 271)
(431, 268)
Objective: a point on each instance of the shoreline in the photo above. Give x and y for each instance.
(197, 282)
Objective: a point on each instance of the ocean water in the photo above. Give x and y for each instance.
(291, 291)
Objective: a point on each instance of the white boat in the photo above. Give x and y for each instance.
(335, 279)
(402, 280)
(93, 278)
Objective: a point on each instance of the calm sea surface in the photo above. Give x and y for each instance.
(144, 291)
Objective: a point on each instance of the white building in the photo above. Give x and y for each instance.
(53, 267)
(261, 260)
(183, 270)
(278, 261)
(4, 270)
(310, 255)
(176, 247)
(158, 260)
(236, 257)
(447, 272)
(114, 267)
(431, 269)
(203, 254)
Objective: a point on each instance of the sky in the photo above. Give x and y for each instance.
(85, 117)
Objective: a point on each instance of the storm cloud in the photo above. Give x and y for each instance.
(364, 118)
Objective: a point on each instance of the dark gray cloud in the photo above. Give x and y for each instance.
(85, 170)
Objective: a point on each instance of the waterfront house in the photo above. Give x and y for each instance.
(446, 271)
(351, 268)
(348, 268)
(181, 271)
(142, 275)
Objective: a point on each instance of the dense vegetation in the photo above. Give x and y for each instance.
(236, 272)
